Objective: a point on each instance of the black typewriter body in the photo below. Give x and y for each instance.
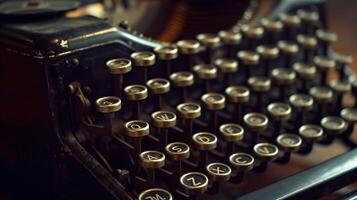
(60, 140)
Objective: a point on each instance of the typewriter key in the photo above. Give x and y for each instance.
(136, 93)
(322, 95)
(268, 55)
(241, 163)
(288, 143)
(155, 193)
(333, 126)
(205, 73)
(310, 19)
(306, 72)
(158, 87)
(188, 48)
(204, 142)
(238, 95)
(151, 160)
(256, 123)
(259, 85)
(308, 44)
(284, 78)
(213, 102)
(265, 152)
(350, 115)
(163, 120)
(178, 151)
(189, 111)
(117, 67)
(310, 133)
(218, 173)
(252, 34)
(325, 38)
(302, 103)
(289, 50)
(248, 59)
(231, 133)
(143, 59)
(194, 183)
(210, 41)
(342, 62)
(167, 54)
(227, 66)
(182, 80)
(272, 27)
(279, 112)
(108, 104)
(340, 88)
(230, 39)
(292, 23)
(325, 65)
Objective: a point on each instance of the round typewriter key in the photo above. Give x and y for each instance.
(210, 41)
(340, 88)
(137, 128)
(310, 133)
(265, 152)
(167, 54)
(290, 20)
(350, 115)
(189, 111)
(342, 62)
(279, 112)
(306, 72)
(205, 141)
(108, 104)
(272, 27)
(268, 54)
(219, 172)
(227, 66)
(163, 120)
(188, 48)
(136, 93)
(143, 59)
(158, 87)
(322, 95)
(326, 38)
(289, 50)
(325, 65)
(288, 143)
(284, 78)
(310, 19)
(256, 123)
(205, 73)
(301, 103)
(155, 193)
(308, 44)
(240, 163)
(252, 34)
(231, 133)
(213, 102)
(117, 67)
(333, 125)
(151, 160)
(248, 59)
(194, 183)
(238, 95)
(182, 80)
(230, 39)
(259, 85)
(178, 150)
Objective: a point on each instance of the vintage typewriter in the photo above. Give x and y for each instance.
(89, 110)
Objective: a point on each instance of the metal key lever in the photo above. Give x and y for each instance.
(314, 182)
